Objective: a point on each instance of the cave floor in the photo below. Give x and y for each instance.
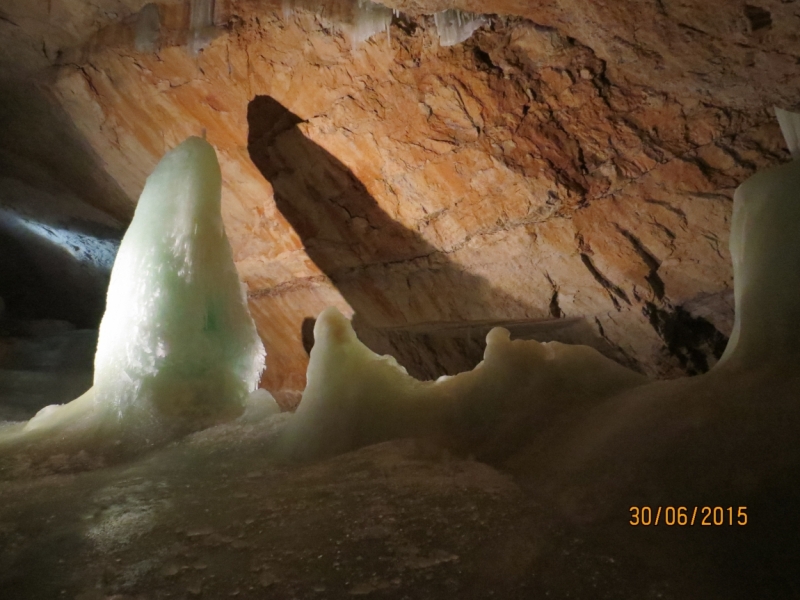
(213, 517)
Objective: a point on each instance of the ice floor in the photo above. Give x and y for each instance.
(217, 515)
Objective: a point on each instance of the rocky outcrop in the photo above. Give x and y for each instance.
(566, 162)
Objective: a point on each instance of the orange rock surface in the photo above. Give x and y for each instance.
(571, 160)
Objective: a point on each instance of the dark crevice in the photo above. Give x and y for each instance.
(673, 209)
(307, 333)
(612, 289)
(483, 60)
(758, 17)
(620, 355)
(555, 308)
(692, 340)
(5, 19)
(652, 263)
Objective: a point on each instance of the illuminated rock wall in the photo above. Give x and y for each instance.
(562, 162)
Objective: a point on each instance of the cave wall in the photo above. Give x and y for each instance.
(61, 214)
(570, 160)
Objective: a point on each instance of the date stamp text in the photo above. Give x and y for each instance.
(704, 516)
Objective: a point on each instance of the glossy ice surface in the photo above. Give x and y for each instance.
(177, 349)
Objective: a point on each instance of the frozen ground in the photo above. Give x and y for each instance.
(215, 517)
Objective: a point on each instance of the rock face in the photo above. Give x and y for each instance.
(568, 164)
(51, 245)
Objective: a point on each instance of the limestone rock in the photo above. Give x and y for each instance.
(566, 162)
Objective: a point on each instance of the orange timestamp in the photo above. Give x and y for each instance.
(682, 515)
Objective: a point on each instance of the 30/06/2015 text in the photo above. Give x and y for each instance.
(682, 515)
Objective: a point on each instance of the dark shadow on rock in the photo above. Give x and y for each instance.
(392, 277)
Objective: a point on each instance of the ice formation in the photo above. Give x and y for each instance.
(177, 349)
(177, 329)
(358, 19)
(790, 126)
(455, 26)
(148, 26)
(362, 19)
(201, 24)
(574, 441)
(355, 397)
(766, 268)
(369, 18)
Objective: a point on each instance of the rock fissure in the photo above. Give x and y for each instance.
(650, 261)
(613, 290)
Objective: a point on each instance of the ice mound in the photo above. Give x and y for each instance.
(766, 264)
(583, 435)
(177, 348)
(355, 397)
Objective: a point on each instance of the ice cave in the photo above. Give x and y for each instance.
(407, 299)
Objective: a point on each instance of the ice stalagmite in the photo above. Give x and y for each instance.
(178, 349)
(765, 234)
(177, 332)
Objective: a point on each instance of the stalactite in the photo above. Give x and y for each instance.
(359, 19)
(362, 19)
(369, 18)
(201, 24)
(455, 26)
(148, 26)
